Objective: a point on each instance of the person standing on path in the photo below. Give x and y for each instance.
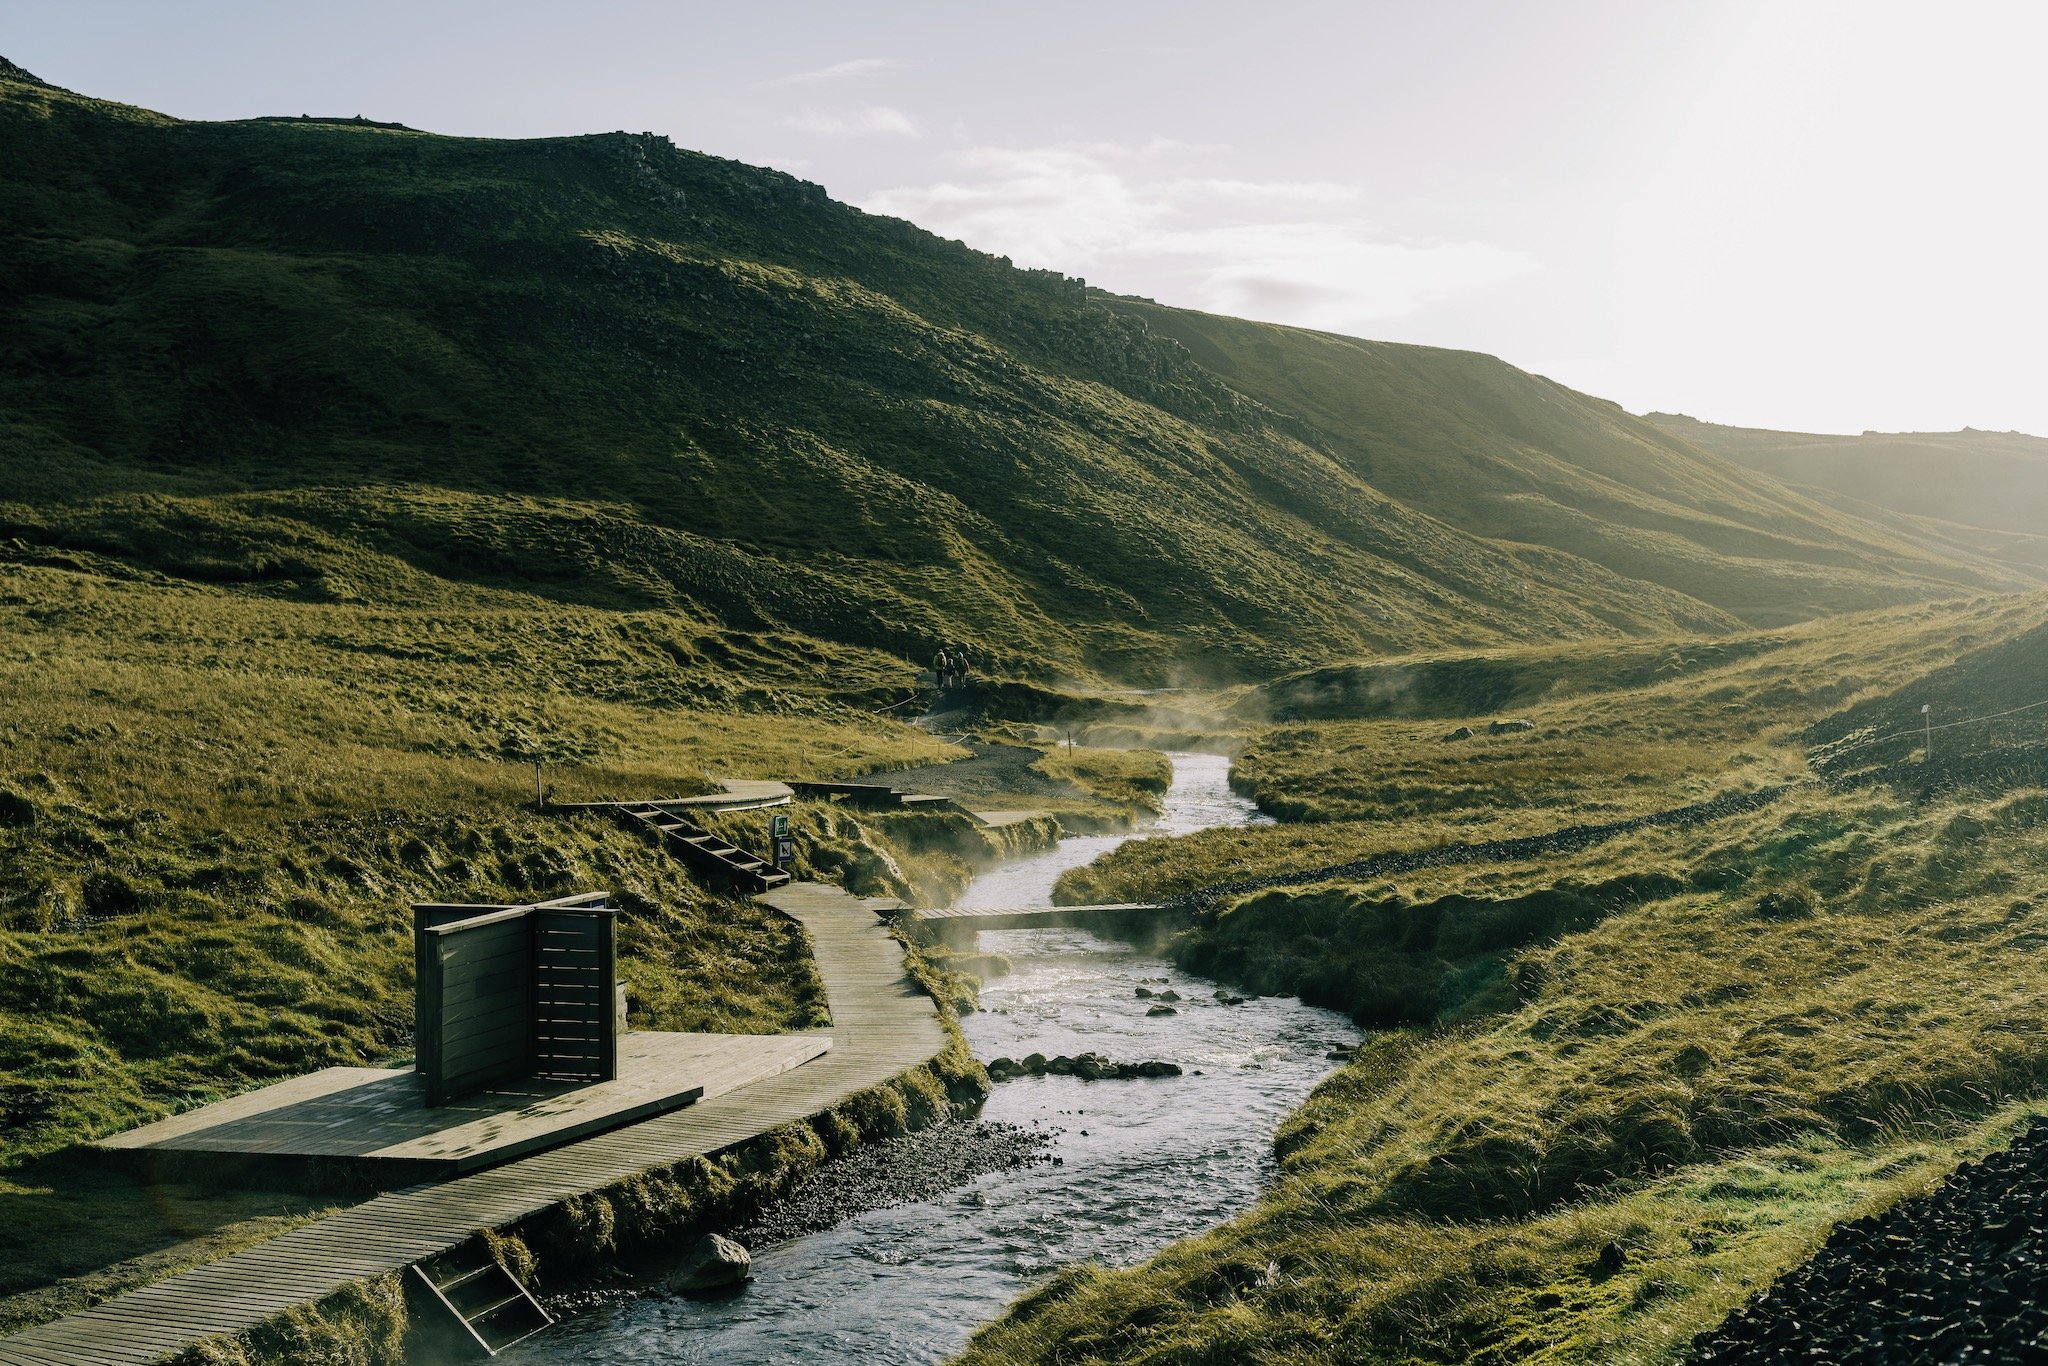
(942, 669)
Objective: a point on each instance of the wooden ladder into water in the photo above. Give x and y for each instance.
(470, 1303)
(707, 854)
(882, 1025)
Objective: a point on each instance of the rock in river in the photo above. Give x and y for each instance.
(712, 1264)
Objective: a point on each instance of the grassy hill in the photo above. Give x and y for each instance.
(1977, 491)
(1513, 456)
(340, 361)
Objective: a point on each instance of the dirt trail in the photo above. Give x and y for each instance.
(995, 770)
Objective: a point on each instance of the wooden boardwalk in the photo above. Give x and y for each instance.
(882, 1026)
(379, 1116)
(734, 794)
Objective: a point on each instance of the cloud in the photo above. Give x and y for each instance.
(872, 120)
(1284, 251)
(859, 66)
(1332, 275)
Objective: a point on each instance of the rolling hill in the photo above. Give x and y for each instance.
(338, 361)
(1515, 457)
(1981, 492)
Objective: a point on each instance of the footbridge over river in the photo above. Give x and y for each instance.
(959, 924)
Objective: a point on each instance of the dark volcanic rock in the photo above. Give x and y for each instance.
(1088, 1067)
(1957, 1275)
(1162, 1010)
(897, 1171)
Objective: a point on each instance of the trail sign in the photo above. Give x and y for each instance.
(781, 843)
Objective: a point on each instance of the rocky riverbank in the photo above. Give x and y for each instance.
(896, 1171)
(1087, 1066)
(1957, 1275)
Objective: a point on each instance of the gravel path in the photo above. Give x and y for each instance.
(1957, 1275)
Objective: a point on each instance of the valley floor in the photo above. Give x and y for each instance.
(1616, 1089)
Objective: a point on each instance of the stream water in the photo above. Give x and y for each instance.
(1143, 1162)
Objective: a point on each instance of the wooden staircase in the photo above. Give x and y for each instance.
(466, 1305)
(707, 854)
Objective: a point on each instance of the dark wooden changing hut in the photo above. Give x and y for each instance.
(506, 992)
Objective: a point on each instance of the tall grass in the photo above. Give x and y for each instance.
(215, 806)
(1701, 1045)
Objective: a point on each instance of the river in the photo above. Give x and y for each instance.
(1143, 1162)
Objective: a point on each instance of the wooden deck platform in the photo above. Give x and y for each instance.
(882, 1025)
(734, 794)
(997, 819)
(380, 1117)
(877, 797)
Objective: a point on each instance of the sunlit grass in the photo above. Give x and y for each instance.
(1703, 1044)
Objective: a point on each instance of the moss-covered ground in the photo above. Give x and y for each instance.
(217, 805)
(1701, 1045)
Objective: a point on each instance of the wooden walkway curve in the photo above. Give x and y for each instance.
(882, 1026)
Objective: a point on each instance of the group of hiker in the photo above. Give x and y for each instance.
(951, 664)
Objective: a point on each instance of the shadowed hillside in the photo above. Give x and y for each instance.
(346, 362)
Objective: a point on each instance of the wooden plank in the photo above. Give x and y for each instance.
(515, 916)
(474, 1017)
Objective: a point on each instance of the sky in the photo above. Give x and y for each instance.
(1801, 214)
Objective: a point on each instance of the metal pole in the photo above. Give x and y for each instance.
(540, 798)
(1927, 719)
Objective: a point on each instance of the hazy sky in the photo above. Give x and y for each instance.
(1825, 216)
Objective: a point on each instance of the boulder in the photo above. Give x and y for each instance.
(1461, 733)
(1503, 727)
(1061, 1066)
(1169, 995)
(712, 1264)
(1090, 1067)
(1162, 1010)
(1035, 1064)
(1158, 1069)
(1144, 993)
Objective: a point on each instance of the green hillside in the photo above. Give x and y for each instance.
(1981, 491)
(336, 361)
(1513, 456)
(355, 480)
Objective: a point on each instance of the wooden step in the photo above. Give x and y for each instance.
(480, 1308)
(706, 853)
